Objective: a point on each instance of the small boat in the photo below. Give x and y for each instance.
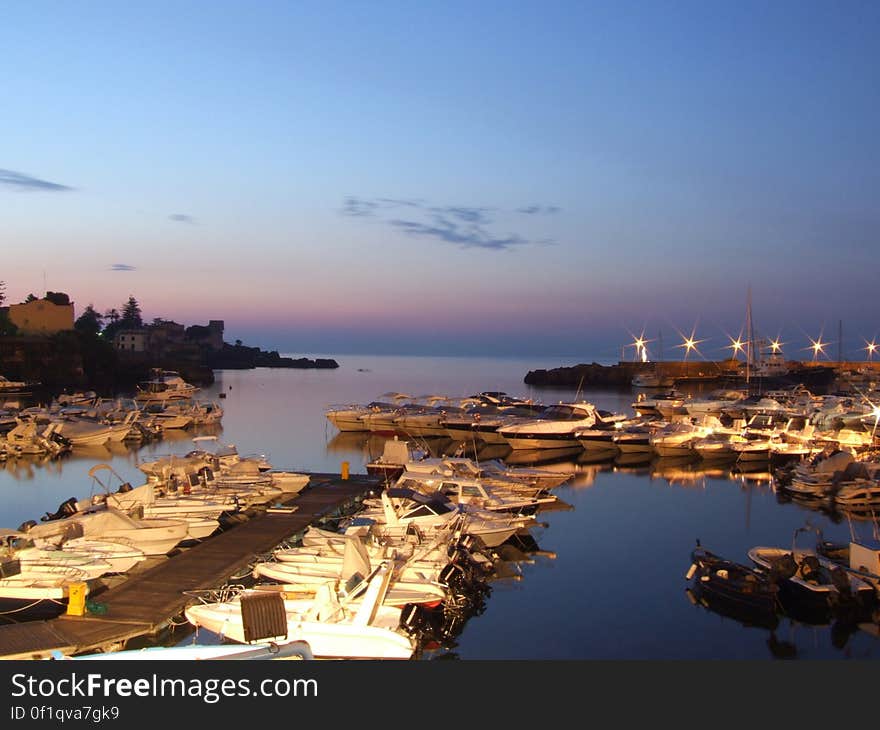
(738, 590)
(332, 628)
(268, 650)
(811, 584)
(165, 385)
(29, 595)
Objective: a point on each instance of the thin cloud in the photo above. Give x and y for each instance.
(123, 267)
(181, 218)
(461, 225)
(538, 210)
(358, 207)
(477, 216)
(21, 181)
(448, 232)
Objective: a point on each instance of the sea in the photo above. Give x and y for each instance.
(608, 578)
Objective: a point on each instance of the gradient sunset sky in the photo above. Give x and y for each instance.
(456, 177)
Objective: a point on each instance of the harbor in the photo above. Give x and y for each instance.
(729, 501)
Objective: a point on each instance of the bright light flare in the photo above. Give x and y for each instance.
(817, 346)
(690, 343)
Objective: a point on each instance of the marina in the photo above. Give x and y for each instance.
(597, 507)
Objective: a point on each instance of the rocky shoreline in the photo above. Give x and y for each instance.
(240, 357)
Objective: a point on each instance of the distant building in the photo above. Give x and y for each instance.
(166, 332)
(132, 340)
(210, 336)
(46, 316)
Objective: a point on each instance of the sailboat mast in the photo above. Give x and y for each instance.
(750, 335)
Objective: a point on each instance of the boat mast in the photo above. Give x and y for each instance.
(749, 336)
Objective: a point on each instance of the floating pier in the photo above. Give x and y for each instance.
(144, 603)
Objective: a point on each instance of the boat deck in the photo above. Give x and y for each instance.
(145, 602)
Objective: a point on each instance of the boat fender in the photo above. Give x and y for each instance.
(691, 571)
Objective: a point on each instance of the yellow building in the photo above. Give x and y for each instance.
(43, 316)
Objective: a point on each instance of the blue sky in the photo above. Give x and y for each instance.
(519, 178)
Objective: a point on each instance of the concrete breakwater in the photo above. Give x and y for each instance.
(810, 374)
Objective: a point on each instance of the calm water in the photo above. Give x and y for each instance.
(616, 588)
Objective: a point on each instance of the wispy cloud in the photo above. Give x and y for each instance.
(538, 210)
(464, 236)
(461, 225)
(123, 267)
(359, 207)
(21, 181)
(181, 218)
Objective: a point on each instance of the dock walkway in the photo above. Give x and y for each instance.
(144, 603)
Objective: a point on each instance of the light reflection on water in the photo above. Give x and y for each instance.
(616, 588)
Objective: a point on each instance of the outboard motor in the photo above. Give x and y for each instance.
(419, 621)
(472, 543)
(453, 576)
(65, 509)
(783, 568)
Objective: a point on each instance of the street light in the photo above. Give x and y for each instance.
(690, 343)
(817, 346)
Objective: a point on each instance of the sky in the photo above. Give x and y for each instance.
(511, 178)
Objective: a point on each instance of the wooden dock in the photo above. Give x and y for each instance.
(145, 602)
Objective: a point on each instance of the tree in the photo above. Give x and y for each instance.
(89, 322)
(7, 329)
(112, 315)
(30, 298)
(131, 314)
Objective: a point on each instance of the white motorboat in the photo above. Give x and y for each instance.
(153, 536)
(464, 491)
(417, 577)
(16, 545)
(600, 441)
(27, 595)
(677, 439)
(810, 577)
(715, 405)
(86, 432)
(333, 629)
(122, 557)
(201, 652)
(163, 386)
(557, 427)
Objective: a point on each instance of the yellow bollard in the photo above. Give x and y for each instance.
(76, 599)
(345, 470)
